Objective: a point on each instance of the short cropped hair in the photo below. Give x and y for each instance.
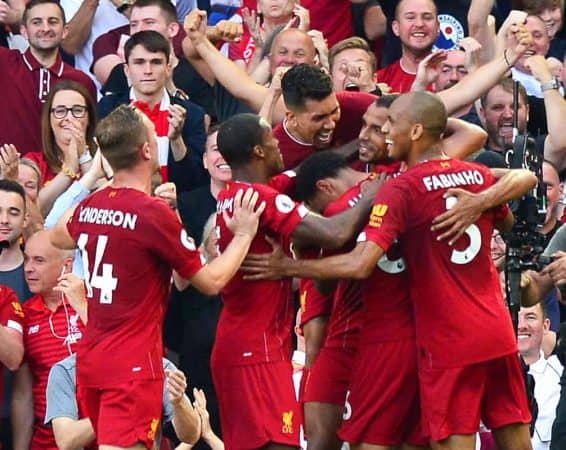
(350, 43)
(34, 3)
(168, 8)
(151, 40)
(120, 136)
(305, 82)
(325, 164)
(238, 136)
(13, 186)
(507, 85)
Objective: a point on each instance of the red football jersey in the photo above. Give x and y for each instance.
(460, 315)
(49, 337)
(353, 106)
(11, 316)
(332, 17)
(130, 242)
(256, 320)
(345, 320)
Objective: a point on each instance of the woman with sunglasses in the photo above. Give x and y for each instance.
(68, 122)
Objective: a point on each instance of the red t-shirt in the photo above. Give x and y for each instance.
(332, 17)
(256, 320)
(49, 337)
(353, 106)
(396, 77)
(11, 316)
(460, 314)
(129, 242)
(24, 86)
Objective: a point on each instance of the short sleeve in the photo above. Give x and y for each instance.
(61, 395)
(281, 214)
(11, 311)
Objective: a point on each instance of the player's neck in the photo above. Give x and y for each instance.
(215, 187)
(133, 179)
(427, 153)
(250, 174)
(11, 257)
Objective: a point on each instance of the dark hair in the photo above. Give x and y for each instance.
(385, 101)
(507, 85)
(239, 135)
(353, 42)
(323, 164)
(305, 82)
(51, 151)
(168, 8)
(535, 7)
(120, 136)
(34, 3)
(151, 40)
(13, 186)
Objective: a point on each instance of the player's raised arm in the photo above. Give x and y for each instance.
(59, 234)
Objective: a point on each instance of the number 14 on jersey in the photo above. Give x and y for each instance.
(104, 281)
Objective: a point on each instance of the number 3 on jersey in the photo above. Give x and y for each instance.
(105, 281)
(470, 252)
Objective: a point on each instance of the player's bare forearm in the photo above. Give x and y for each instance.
(71, 434)
(215, 275)
(186, 421)
(514, 184)
(462, 138)
(59, 234)
(11, 347)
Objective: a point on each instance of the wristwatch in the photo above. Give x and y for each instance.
(552, 84)
(125, 5)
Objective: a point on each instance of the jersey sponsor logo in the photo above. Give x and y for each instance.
(450, 33)
(187, 241)
(226, 204)
(153, 429)
(18, 310)
(450, 180)
(112, 217)
(33, 329)
(287, 418)
(377, 214)
(284, 204)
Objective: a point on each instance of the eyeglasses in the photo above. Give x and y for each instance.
(60, 112)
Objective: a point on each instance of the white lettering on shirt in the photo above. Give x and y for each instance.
(112, 217)
(450, 180)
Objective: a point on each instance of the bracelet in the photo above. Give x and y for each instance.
(68, 172)
(505, 58)
(85, 157)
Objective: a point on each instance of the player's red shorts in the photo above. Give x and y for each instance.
(329, 378)
(257, 405)
(454, 400)
(125, 414)
(382, 407)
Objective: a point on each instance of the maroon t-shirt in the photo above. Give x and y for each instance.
(353, 106)
(255, 323)
(460, 314)
(24, 86)
(130, 242)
